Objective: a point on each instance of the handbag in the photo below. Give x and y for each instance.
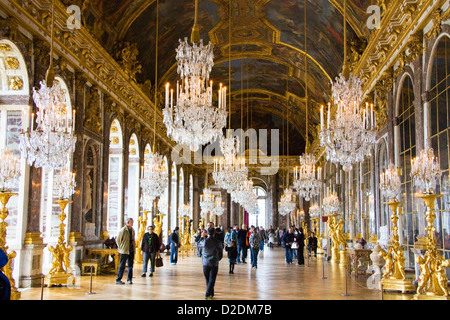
(294, 245)
(159, 261)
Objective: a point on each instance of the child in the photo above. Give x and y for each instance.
(232, 255)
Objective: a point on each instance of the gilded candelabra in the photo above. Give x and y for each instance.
(316, 229)
(186, 236)
(158, 224)
(142, 226)
(58, 275)
(432, 279)
(342, 242)
(333, 231)
(8, 269)
(394, 273)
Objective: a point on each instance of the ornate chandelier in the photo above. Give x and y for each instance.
(65, 184)
(314, 211)
(287, 203)
(390, 183)
(230, 170)
(193, 120)
(9, 171)
(53, 140)
(331, 204)
(207, 201)
(307, 180)
(184, 210)
(424, 171)
(146, 202)
(218, 209)
(350, 137)
(154, 176)
(244, 194)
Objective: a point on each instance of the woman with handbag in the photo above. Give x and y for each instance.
(301, 246)
(150, 247)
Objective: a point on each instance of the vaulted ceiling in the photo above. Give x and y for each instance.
(267, 56)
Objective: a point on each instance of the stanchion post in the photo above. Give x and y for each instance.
(42, 287)
(90, 285)
(346, 294)
(323, 267)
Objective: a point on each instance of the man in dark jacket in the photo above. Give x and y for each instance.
(212, 253)
(5, 285)
(288, 240)
(174, 241)
(150, 247)
(242, 244)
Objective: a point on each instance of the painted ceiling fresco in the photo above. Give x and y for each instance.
(267, 44)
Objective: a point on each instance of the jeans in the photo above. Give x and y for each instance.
(254, 256)
(242, 251)
(262, 246)
(210, 273)
(173, 253)
(126, 259)
(288, 255)
(152, 257)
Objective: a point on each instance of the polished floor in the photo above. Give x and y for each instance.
(272, 280)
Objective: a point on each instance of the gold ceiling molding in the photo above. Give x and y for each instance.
(402, 20)
(85, 53)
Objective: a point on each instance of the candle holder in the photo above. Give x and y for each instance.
(333, 231)
(432, 279)
(394, 278)
(8, 269)
(60, 271)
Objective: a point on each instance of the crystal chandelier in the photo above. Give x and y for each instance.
(9, 171)
(53, 139)
(146, 202)
(64, 183)
(424, 171)
(192, 119)
(207, 200)
(244, 194)
(218, 209)
(314, 211)
(184, 210)
(307, 179)
(390, 183)
(154, 176)
(331, 204)
(230, 170)
(287, 202)
(350, 137)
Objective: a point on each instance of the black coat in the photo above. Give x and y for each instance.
(301, 241)
(242, 237)
(155, 243)
(312, 242)
(212, 251)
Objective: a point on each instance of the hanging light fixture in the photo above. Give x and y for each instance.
(331, 204)
(350, 137)
(218, 209)
(307, 180)
(424, 171)
(390, 183)
(9, 171)
(65, 184)
(154, 175)
(53, 139)
(230, 170)
(192, 119)
(207, 198)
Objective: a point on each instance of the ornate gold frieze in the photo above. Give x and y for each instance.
(15, 83)
(12, 63)
(5, 47)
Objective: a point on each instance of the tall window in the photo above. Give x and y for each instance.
(132, 195)
(174, 196)
(439, 133)
(181, 188)
(14, 97)
(115, 169)
(259, 219)
(406, 127)
(163, 205)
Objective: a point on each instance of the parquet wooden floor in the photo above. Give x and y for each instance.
(272, 280)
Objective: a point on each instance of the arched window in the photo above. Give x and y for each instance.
(439, 125)
(132, 193)
(174, 197)
(50, 210)
(115, 169)
(407, 151)
(259, 219)
(14, 98)
(163, 205)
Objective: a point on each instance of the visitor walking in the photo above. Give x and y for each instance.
(312, 244)
(262, 237)
(212, 253)
(5, 284)
(174, 241)
(271, 240)
(232, 255)
(288, 240)
(125, 247)
(279, 235)
(150, 248)
(242, 244)
(255, 244)
(301, 246)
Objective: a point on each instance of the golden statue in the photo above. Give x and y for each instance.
(158, 224)
(138, 258)
(332, 230)
(58, 275)
(8, 269)
(432, 279)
